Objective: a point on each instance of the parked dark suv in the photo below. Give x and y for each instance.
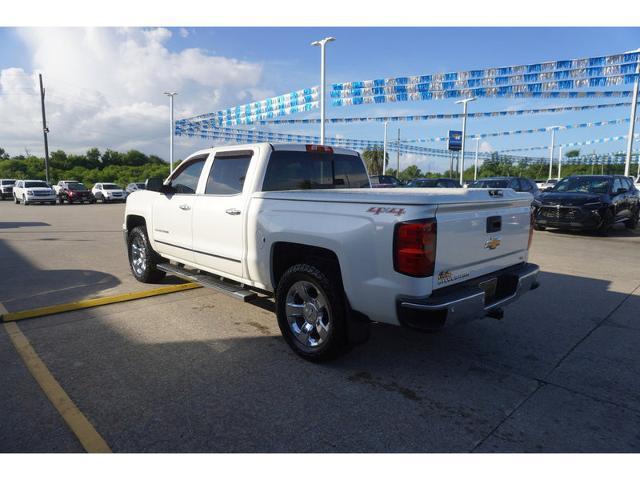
(588, 202)
(519, 184)
(433, 183)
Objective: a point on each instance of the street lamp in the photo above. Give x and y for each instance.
(632, 119)
(464, 103)
(171, 95)
(551, 148)
(322, 44)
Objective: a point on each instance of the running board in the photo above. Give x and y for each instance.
(207, 280)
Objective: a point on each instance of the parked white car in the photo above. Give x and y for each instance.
(301, 222)
(33, 191)
(108, 192)
(544, 184)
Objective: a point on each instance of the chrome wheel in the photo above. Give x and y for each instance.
(138, 256)
(308, 314)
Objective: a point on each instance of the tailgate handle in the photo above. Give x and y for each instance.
(494, 224)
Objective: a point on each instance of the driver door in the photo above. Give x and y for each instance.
(173, 212)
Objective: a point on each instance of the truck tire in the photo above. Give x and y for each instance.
(539, 228)
(142, 258)
(311, 313)
(15, 200)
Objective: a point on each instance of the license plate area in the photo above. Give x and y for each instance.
(489, 287)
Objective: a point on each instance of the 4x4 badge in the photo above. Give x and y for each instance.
(492, 243)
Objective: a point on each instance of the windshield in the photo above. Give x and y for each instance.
(423, 183)
(295, 170)
(35, 185)
(76, 186)
(489, 184)
(110, 186)
(8, 182)
(140, 185)
(583, 185)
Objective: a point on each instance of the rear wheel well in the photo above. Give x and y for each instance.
(286, 254)
(134, 221)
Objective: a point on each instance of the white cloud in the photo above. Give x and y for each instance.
(105, 88)
(485, 147)
(184, 33)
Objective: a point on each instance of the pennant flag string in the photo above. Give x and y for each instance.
(593, 66)
(573, 144)
(526, 131)
(443, 116)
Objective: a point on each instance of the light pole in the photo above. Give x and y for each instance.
(632, 119)
(384, 150)
(464, 103)
(322, 44)
(171, 95)
(551, 148)
(559, 162)
(475, 170)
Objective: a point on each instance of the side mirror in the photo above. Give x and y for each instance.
(154, 184)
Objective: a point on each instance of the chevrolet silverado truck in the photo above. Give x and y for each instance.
(302, 223)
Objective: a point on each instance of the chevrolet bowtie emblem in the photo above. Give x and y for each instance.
(492, 243)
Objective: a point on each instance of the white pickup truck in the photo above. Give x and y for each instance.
(301, 222)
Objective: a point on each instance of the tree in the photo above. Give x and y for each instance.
(573, 153)
(373, 160)
(409, 173)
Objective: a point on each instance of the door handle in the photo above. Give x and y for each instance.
(232, 211)
(184, 207)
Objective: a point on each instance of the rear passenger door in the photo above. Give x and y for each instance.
(219, 214)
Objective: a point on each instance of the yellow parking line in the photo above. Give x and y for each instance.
(90, 439)
(94, 302)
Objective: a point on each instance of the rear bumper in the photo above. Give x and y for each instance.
(468, 300)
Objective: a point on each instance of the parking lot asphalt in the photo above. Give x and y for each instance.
(197, 371)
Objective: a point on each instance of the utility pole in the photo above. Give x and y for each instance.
(475, 170)
(45, 131)
(559, 162)
(464, 134)
(398, 155)
(632, 119)
(384, 150)
(551, 148)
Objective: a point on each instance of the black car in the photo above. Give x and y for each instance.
(384, 181)
(588, 202)
(519, 184)
(433, 183)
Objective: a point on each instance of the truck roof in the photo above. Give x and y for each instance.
(297, 147)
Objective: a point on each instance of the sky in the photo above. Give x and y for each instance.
(104, 86)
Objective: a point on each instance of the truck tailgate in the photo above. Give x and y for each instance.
(475, 239)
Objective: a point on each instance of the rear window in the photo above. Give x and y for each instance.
(110, 186)
(76, 186)
(295, 170)
(35, 185)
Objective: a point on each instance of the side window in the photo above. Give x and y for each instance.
(186, 180)
(617, 184)
(526, 185)
(227, 174)
(515, 184)
(628, 184)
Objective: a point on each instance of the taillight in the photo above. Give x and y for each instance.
(319, 149)
(415, 247)
(532, 221)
